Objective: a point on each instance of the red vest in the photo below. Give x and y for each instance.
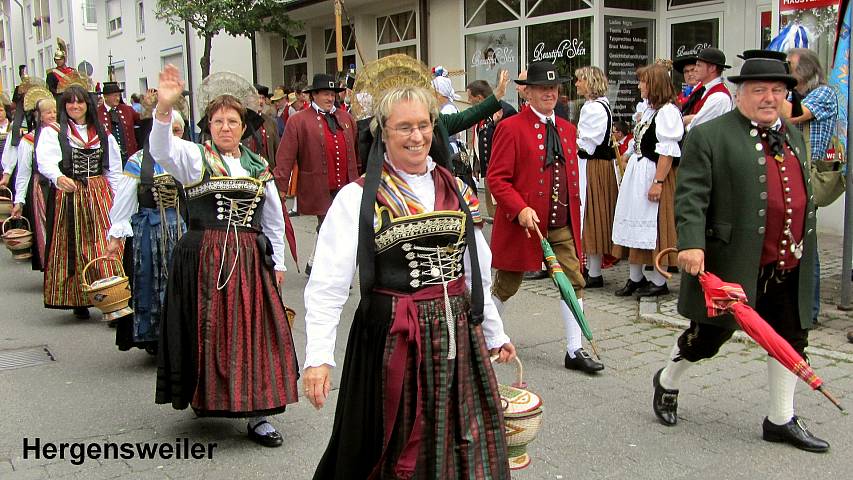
(786, 200)
(336, 157)
(716, 88)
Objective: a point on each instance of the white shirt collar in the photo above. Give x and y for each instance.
(320, 110)
(776, 125)
(599, 99)
(410, 176)
(712, 83)
(542, 117)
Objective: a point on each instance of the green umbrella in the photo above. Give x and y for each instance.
(566, 290)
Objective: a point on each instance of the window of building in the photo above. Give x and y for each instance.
(567, 44)
(143, 85)
(3, 40)
(629, 44)
(119, 75)
(487, 53)
(688, 3)
(348, 34)
(174, 56)
(537, 8)
(397, 33)
(30, 18)
(631, 4)
(113, 17)
(140, 19)
(295, 60)
(486, 12)
(44, 19)
(60, 10)
(41, 67)
(90, 18)
(689, 38)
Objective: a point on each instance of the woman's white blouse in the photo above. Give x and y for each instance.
(592, 124)
(49, 155)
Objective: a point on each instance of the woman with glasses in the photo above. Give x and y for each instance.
(417, 361)
(83, 163)
(225, 344)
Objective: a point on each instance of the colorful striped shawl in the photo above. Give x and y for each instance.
(256, 166)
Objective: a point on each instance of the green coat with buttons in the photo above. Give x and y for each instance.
(720, 206)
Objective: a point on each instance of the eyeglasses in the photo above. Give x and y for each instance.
(232, 124)
(408, 130)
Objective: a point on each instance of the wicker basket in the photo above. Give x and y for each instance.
(19, 241)
(5, 203)
(522, 416)
(109, 295)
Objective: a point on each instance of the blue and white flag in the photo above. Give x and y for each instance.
(794, 35)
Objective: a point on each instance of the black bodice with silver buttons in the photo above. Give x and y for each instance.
(419, 251)
(85, 162)
(225, 202)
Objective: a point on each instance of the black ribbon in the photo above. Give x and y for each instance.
(775, 141)
(694, 97)
(331, 121)
(553, 147)
(118, 130)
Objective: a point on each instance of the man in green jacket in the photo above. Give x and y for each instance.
(745, 211)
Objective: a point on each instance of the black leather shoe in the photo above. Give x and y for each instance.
(595, 282)
(850, 336)
(292, 213)
(582, 362)
(536, 275)
(665, 402)
(793, 433)
(630, 287)
(271, 439)
(81, 313)
(652, 290)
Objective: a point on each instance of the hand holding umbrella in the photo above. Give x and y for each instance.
(566, 291)
(724, 297)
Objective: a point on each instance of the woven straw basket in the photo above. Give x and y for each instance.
(19, 241)
(522, 416)
(5, 203)
(109, 295)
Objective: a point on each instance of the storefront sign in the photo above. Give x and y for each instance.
(629, 44)
(787, 5)
(683, 50)
(493, 57)
(566, 49)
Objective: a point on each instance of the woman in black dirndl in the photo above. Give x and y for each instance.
(418, 396)
(225, 344)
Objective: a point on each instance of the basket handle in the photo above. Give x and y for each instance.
(3, 228)
(104, 257)
(519, 371)
(7, 189)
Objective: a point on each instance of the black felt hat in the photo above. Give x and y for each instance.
(322, 81)
(111, 87)
(714, 56)
(771, 54)
(542, 73)
(679, 63)
(764, 69)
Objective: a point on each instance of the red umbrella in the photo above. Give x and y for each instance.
(724, 297)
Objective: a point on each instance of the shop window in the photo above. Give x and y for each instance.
(488, 53)
(348, 34)
(765, 29)
(487, 12)
(295, 50)
(296, 74)
(629, 44)
(687, 3)
(397, 33)
(689, 38)
(567, 44)
(537, 8)
(631, 4)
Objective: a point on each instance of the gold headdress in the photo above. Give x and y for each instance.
(34, 95)
(73, 78)
(388, 72)
(4, 99)
(61, 49)
(29, 82)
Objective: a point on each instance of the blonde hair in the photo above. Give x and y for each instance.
(595, 79)
(46, 103)
(382, 108)
(177, 118)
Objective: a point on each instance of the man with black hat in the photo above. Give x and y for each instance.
(533, 175)
(119, 119)
(694, 90)
(745, 211)
(264, 140)
(321, 142)
(716, 98)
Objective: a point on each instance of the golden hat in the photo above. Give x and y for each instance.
(385, 73)
(34, 95)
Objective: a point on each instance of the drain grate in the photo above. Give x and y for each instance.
(25, 357)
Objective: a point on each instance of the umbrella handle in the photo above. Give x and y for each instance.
(538, 232)
(660, 269)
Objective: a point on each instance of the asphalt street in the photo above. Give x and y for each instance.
(598, 427)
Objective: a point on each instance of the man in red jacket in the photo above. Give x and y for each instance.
(533, 175)
(119, 119)
(321, 142)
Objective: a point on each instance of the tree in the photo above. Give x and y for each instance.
(234, 17)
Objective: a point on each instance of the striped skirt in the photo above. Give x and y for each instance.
(601, 194)
(461, 430)
(80, 221)
(226, 352)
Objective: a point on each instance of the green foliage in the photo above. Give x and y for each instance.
(235, 17)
